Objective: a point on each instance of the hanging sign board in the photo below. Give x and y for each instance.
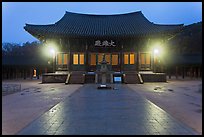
(104, 43)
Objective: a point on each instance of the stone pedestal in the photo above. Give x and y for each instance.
(103, 71)
(96, 78)
(111, 77)
(103, 77)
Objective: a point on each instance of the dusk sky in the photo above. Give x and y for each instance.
(16, 14)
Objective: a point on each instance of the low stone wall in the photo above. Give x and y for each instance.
(54, 78)
(155, 77)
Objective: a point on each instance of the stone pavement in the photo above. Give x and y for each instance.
(182, 99)
(21, 108)
(106, 112)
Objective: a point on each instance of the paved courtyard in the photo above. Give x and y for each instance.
(21, 108)
(104, 112)
(182, 99)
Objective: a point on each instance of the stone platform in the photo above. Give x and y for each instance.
(86, 77)
(153, 77)
(54, 77)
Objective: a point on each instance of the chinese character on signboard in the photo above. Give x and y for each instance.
(112, 44)
(98, 43)
(105, 43)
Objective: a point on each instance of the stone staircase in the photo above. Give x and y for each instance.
(89, 78)
(76, 77)
(154, 77)
(132, 78)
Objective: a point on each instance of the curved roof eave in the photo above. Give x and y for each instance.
(78, 24)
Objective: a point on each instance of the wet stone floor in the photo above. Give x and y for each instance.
(92, 111)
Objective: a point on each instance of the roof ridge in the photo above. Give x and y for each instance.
(94, 14)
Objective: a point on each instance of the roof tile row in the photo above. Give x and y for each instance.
(75, 24)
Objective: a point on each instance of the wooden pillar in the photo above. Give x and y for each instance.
(121, 58)
(96, 78)
(69, 54)
(87, 58)
(138, 61)
(111, 78)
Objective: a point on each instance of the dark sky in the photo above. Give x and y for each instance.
(16, 14)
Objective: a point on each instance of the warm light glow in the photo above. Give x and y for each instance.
(52, 51)
(126, 59)
(34, 73)
(65, 59)
(75, 59)
(115, 59)
(108, 58)
(156, 51)
(100, 58)
(81, 58)
(93, 59)
(132, 58)
(59, 59)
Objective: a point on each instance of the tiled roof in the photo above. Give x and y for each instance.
(75, 24)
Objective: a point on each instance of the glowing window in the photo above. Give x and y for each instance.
(81, 58)
(114, 59)
(75, 59)
(93, 59)
(34, 73)
(59, 59)
(132, 58)
(148, 58)
(62, 59)
(108, 59)
(65, 59)
(100, 58)
(142, 58)
(126, 59)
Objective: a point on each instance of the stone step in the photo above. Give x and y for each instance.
(77, 78)
(155, 77)
(89, 78)
(132, 78)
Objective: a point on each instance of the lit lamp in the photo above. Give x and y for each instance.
(156, 52)
(52, 51)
